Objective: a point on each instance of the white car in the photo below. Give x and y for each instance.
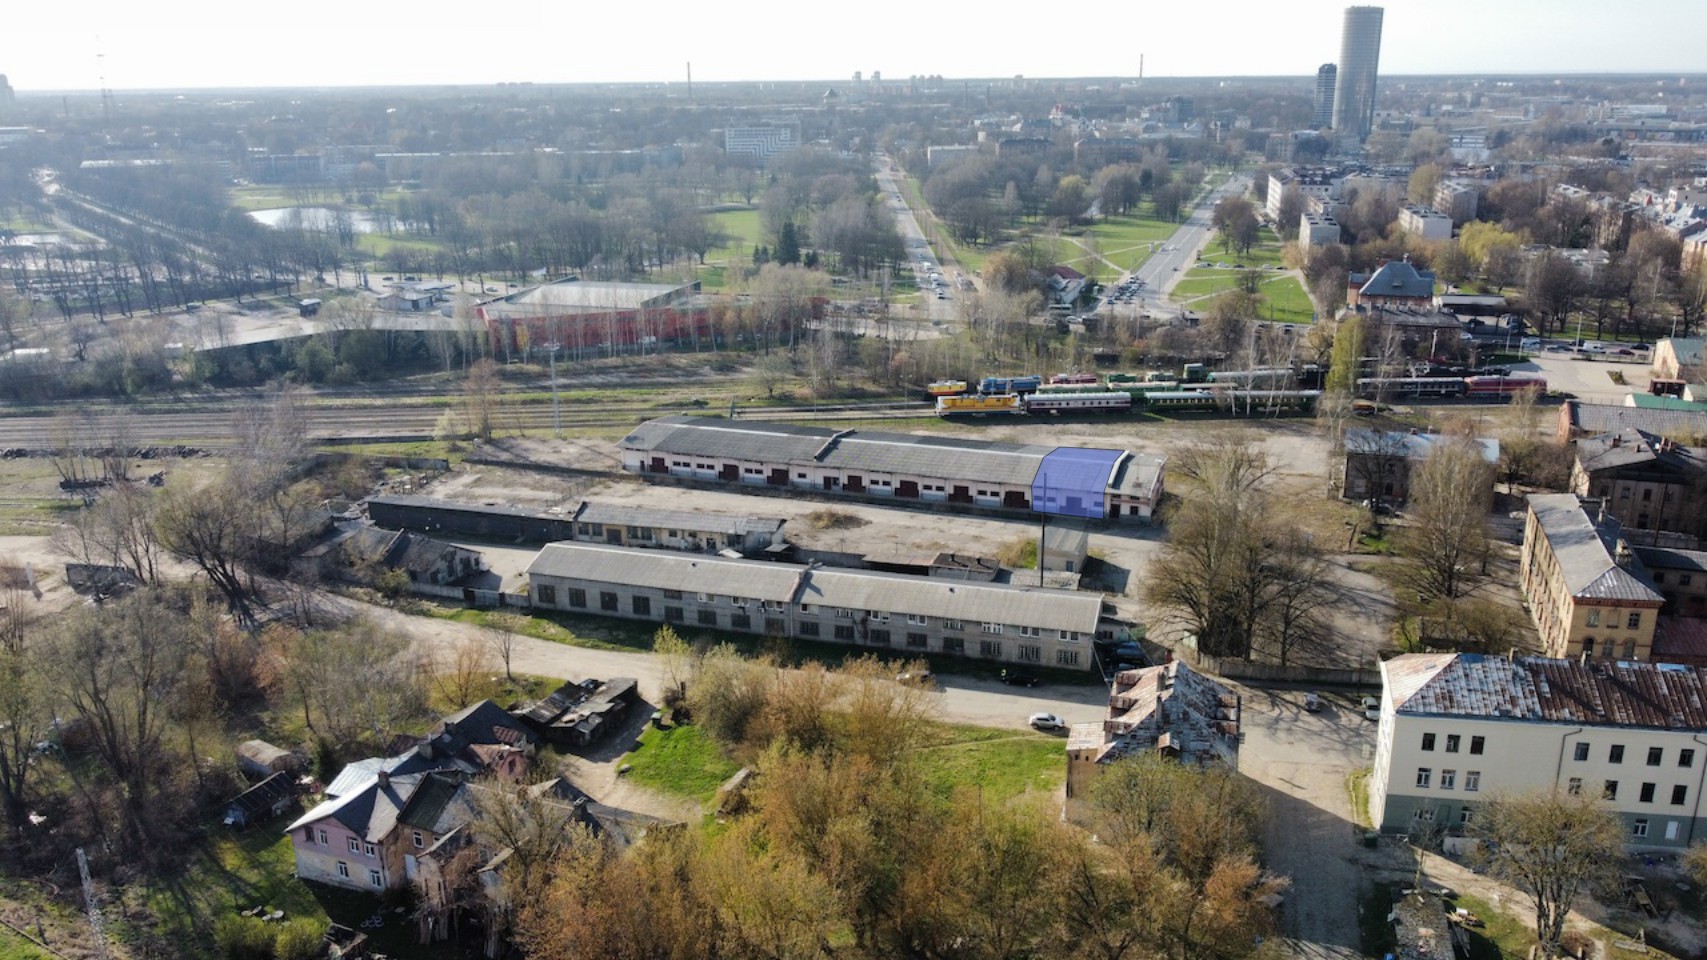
(1047, 721)
(1371, 707)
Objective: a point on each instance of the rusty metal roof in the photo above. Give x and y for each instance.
(1663, 696)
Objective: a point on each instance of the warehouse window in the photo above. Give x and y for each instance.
(642, 606)
(547, 594)
(992, 628)
(609, 601)
(1066, 658)
(953, 645)
(808, 629)
(1032, 632)
(1030, 653)
(951, 624)
(708, 618)
(917, 620)
(917, 640)
(989, 648)
(673, 615)
(880, 637)
(672, 594)
(740, 621)
(844, 632)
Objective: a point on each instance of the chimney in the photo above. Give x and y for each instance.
(1617, 440)
(384, 780)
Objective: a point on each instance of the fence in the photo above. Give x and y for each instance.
(472, 596)
(1232, 668)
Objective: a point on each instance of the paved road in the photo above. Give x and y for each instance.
(1179, 253)
(1302, 760)
(918, 245)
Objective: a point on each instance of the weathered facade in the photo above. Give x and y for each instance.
(1588, 592)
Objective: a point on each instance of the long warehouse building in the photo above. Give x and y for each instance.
(1082, 482)
(885, 612)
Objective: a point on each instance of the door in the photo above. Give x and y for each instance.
(658, 465)
(778, 477)
(831, 483)
(730, 473)
(907, 488)
(613, 534)
(960, 494)
(855, 483)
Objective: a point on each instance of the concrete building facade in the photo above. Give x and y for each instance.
(1322, 115)
(1425, 223)
(1588, 592)
(1457, 728)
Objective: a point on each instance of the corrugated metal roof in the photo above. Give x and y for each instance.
(1138, 475)
(849, 589)
(983, 460)
(666, 570)
(1595, 693)
(631, 516)
(1594, 418)
(1666, 558)
(732, 439)
(1631, 446)
(1585, 555)
(955, 599)
(1413, 446)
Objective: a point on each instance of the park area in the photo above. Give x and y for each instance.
(1283, 297)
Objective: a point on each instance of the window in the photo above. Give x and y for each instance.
(374, 878)
(703, 597)
(418, 840)
(707, 618)
(1424, 775)
(1069, 636)
(1609, 790)
(1581, 752)
(738, 602)
(1030, 653)
(1647, 496)
(1448, 779)
(672, 594)
(877, 616)
(989, 648)
(367, 849)
(1476, 745)
(1030, 632)
(642, 606)
(609, 601)
(1452, 742)
(1428, 741)
(880, 638)
(949, 624)
(842, 613)
(1593, 618)
(1588, 646)
(1684, 579)
(355, 845)
(806, 608)
(324, 842)
(673, 615)
(1615, 753)
(1647, 794)
(844, 631)
(1686, 758)
(808, 629)
(639, 533)
(1472, 781)
(1424, 815)
(577, 598)
(1679, 794)
(343, 870)
(547, 594)
(1654, 754)
(988, 627)
(1066, 658)
(953, 645)
(1575, 787)
(1464, 815)
(1634, 621)
(740, 621)
(1629, 649)
(917, 640)
(917, 620)
(1639, 828)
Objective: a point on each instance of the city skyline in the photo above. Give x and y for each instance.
(1359, 69)
(198, 45)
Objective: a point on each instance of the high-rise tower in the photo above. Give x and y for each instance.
(1360, 56)
(1323, 116)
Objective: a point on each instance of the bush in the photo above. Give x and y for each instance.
(299, 940)
(243, 938)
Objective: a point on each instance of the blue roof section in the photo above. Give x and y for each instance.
(1073, 482)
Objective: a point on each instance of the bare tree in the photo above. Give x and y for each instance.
(503, 631)
(462, 672)
(1552, 846)
(1448, 536)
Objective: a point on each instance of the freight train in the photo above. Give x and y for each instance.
(1160, 396)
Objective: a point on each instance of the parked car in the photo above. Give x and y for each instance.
(1047, 721)
(923, 678)
(1313, 702)
(1018, 678)
(1371, 707)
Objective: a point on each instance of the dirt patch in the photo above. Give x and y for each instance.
(827, 519)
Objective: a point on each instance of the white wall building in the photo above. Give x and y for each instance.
(1425, 223)
(1457, 728)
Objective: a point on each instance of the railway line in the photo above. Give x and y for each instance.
(380, 421)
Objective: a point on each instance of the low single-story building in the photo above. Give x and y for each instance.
(264, 801)
(883, 611)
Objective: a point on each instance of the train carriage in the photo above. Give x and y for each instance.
(1106, 402)
(979, 404)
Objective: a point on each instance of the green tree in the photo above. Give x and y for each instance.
(788, 244)
(1345, 364)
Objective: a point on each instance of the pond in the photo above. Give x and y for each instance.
(312, 218)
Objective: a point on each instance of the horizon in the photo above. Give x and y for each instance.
(323, 45)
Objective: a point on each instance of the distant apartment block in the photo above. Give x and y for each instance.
(1315, 230)
(948, 152)
(1322, 116)
(1425, 223)
(1457, 199)
(761, 142)
(1321, 182)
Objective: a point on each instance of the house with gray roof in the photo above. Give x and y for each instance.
(1378, 463)
(1578, 419)
(1588, 591)
(1456, 728)
(1395, 285)
(889, 613)
(1652, 483)
(1679, 358)
(893, 467)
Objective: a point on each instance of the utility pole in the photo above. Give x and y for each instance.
(97, 925)
(556, 413)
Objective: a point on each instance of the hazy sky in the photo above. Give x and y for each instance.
(219, 43)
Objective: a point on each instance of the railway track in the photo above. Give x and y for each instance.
(403, 422)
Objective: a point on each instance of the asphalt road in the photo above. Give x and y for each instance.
(1179, 252)
(916, 241)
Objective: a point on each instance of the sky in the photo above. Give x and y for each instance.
(216, 43)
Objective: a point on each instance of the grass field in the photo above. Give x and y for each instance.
(1127, 241)
(683, 761)
(1284, 298)
(14, 947)
(742, 230)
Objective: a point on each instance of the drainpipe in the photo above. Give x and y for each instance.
(1700, 782)
(1559, 767)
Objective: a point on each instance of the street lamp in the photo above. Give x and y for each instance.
(556, 413)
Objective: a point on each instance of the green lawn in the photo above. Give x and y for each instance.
(1267, 251)
(1284, 298)
(1129, 240)
(14, 947)
(683, 761)
(1001, 764)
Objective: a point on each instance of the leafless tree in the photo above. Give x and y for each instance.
(1552, 846)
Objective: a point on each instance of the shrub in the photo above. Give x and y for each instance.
(243, 938)
(299, 940)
